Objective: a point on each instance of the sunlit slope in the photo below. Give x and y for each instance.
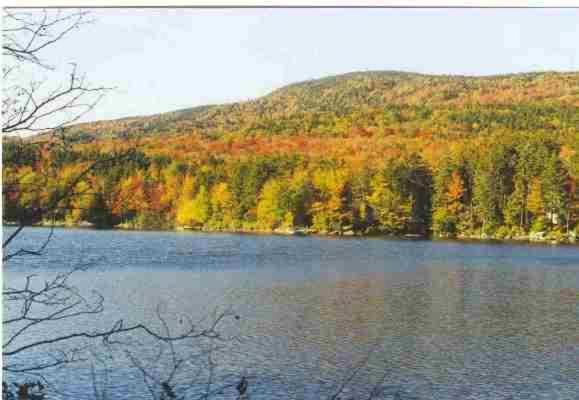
(376, 101)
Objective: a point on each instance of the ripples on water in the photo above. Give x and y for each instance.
(440, 320)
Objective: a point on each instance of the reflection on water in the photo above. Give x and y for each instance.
(439, 320)
(433, 327)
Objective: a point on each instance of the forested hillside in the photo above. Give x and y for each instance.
(368, 152)
(373, 100)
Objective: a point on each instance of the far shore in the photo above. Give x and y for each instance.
(532, 238)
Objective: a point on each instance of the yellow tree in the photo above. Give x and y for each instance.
(195, 212)
(269, 211)
(330, 211)
(221, 206)
(391, 210)
(81, 203)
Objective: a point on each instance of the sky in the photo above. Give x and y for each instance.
(161, 60)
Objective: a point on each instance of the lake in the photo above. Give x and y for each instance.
(423, 319)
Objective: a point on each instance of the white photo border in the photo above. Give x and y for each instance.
(294, 3)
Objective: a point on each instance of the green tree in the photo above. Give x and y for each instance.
(553, 178)
(392, 211)
(535, 202)
(296, 199)
(493, 181)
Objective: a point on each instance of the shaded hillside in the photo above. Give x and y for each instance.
(373, 100)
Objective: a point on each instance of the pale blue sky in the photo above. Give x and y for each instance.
(165, 59)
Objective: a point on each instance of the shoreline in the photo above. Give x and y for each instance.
(305, 232)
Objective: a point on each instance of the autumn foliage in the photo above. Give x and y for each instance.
(360, 153)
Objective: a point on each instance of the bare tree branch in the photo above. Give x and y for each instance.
(345, 382)
(26, 34)
(32, 106)
(37, 105)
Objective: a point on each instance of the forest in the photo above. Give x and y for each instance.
(379, 153)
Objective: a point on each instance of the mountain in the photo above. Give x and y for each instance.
(373, 99)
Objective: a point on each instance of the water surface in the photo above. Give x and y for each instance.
(443, 320)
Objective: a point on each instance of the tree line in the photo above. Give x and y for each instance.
(503, 185)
